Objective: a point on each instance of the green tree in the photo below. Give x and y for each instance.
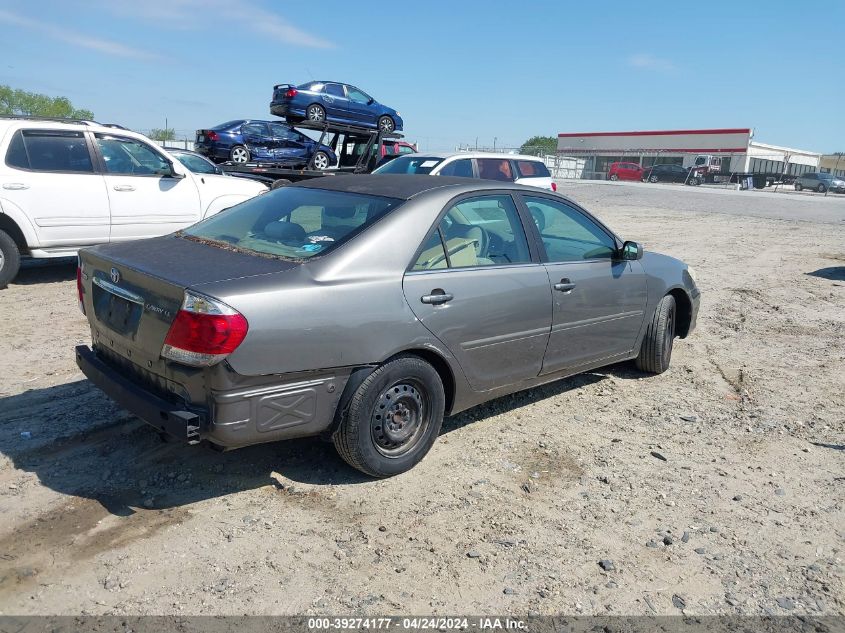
(538, 145)
(21, 102)
(166, 134)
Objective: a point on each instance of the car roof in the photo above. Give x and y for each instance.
(402, 186)
(76, 126)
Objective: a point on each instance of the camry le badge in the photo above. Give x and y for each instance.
(115, 275)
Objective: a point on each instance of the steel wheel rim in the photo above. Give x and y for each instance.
(321, 161)
(669, 334)
(239, 155)
(315, 114)
(400, 418)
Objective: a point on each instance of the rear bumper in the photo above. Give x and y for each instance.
(242, 410)
(286, 109)
(163, 415)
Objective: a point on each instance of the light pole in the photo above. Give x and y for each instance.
(495, 138)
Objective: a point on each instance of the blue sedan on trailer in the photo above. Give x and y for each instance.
(333, 102)
(241, 141)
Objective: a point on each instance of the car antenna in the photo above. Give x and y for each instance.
(309, 74)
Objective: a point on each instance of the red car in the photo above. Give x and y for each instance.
(625, 171)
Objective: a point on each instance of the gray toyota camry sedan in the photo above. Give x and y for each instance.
(365, 308)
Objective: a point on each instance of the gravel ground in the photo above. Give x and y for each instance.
(717, 487)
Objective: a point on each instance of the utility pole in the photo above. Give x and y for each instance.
(495, 138)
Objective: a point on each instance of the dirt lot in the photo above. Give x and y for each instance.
(717, 487)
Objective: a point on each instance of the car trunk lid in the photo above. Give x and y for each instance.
(134, 290)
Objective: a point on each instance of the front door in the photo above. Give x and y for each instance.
(144, 200)
(359, 102)
(55, 183)
(599, 301)
(475, 287)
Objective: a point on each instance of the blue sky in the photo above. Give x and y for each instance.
(455, 70)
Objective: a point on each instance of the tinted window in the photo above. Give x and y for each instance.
(462, 167)
(293, 222)
(404, 149)
(282, 131)
(334, 90)
(46, 150)
(484, 231)
(196, 164)
(255, 129)
(567, 234)
(131, 157)
(411, 164)
(532, 169)
(356, 95)
(313, 86)
(495, 169)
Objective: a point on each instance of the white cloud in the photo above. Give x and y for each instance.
(646, 61)
(204, 14)
(75, 38)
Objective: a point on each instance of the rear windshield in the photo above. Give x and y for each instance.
(226, 125)
(531, 169)
(410, 165)
(292, 222)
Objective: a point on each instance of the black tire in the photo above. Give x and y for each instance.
(405, 386)
(239, 154)
(278, 184)
(316, 113)
(821, 188)
(653, 178)
(321, 161)
(656, 350)
(386, 124)
(10, 259)
(798, 186)
(693, 182)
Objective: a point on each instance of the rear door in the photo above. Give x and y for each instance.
(599, 301)
(289, 145)
(256, 135)
(144, 202)
(495, 169)
(53, 180)
(335, 101)
(476, 287)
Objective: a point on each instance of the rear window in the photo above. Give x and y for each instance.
(292, 222)
(410, 165)
(48, 150)
(531, 169)
(314, 86)
(226, 125)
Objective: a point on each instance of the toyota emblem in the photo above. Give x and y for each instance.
(115, 275)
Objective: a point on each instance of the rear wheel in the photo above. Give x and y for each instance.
(10, 259)
(821, 188)
(386, 124)
(316, 113)
(798, 186)
(653, 178)
(239, 154)
(321, 160)
(656, 350)
(614, 177)
(393, 418)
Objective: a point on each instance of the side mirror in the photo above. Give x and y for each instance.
(174, 172)
(631, 251)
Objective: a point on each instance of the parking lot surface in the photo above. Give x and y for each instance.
(717, 487)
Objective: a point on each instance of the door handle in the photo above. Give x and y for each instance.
(565, 285)
(123, 188)
(437, 296)
(15, 186)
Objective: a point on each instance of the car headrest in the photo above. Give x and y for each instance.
(285, 232)
(339, 212)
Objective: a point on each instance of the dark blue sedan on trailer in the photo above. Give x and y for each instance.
(332, 102)
(242, 141)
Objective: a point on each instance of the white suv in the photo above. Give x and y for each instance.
(64, 185)
(523, 170)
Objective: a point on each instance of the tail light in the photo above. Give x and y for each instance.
(554, 186)
(79, 292)
(291, 93)
(204, 332)
(211, 135)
